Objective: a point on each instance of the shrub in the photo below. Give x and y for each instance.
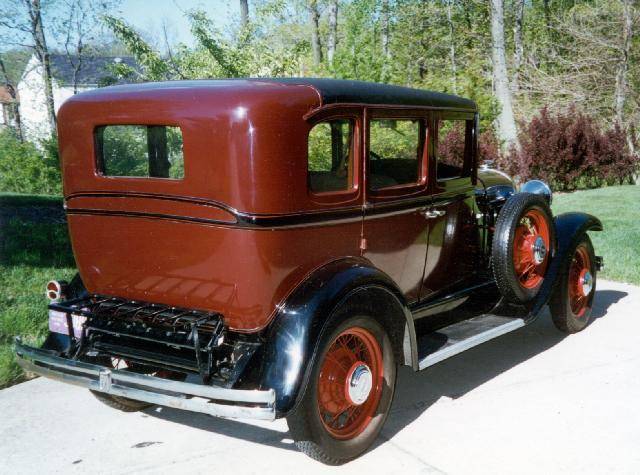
(569, 151)
(26, 169)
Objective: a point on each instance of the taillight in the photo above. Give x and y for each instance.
(55, 290)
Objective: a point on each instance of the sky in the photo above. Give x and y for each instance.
(148, 15)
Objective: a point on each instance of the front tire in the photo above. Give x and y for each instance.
(572, 300)
(350, 389)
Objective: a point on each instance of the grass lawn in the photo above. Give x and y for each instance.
(33, 254)
(30, 256)
(619, 210)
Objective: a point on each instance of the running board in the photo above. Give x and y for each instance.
(449, 341)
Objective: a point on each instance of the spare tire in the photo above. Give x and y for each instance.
(523, 243)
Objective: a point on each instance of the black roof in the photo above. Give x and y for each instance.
(94, 68)
(360, 92)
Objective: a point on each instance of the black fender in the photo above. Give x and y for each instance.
(291, 341)
(569, 229)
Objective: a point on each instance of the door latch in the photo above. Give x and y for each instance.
(433, 213)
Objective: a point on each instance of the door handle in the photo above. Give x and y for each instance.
(433, 213)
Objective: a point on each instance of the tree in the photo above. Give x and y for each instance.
(314, 21)
(22, 22)
(78, 26)
(244, 13)
(518, 48)
(623, 63)
(8, 83)
(506, 124)
(332, 40)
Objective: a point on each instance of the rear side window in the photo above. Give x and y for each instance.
(454, 145)
(395, 152)
(151, 151)
(330, 156)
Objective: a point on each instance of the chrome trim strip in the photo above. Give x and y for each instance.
(475, 340)
(251, 404)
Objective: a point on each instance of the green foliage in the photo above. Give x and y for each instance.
(155, 67)
(26, 169)
(32, 254)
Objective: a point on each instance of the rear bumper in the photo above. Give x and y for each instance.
(221, 402)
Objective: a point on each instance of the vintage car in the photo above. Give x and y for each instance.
(269, 248)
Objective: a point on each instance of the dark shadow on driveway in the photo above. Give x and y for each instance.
(417, 391)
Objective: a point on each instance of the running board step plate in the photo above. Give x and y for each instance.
(449, 341)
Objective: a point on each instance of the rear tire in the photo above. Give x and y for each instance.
(333, 423)
(570, 307)
(523, 243)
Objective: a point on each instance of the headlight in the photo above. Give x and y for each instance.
(538, 187)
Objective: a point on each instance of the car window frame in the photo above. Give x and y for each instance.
(339, 196)
(469, 159)
(406, 190)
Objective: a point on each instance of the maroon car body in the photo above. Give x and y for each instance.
(265, 258)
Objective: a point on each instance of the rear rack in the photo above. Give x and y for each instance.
(144, 333)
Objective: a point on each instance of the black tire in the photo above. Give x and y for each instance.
(308, 430)
(562, 313)
(510, 218)
(121, 403)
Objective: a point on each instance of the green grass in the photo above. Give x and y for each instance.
(618, 207)
(31, 255)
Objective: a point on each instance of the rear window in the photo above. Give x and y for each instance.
(151, 151)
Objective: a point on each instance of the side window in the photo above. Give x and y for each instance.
(454, 145)
(395, 152)
(330, 156)
(146, 151)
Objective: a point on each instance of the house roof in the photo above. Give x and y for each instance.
(93, 70)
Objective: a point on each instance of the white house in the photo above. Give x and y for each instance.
(33, 106)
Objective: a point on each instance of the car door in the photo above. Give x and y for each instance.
(395, 230)
(454, 237)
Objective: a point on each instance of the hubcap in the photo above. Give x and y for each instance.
(586, 282)
(539, 250)
(359, 383)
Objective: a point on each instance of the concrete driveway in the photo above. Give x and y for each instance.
(533, 401)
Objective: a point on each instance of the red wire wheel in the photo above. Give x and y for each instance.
(350, 383)
(531, 244)
(580, 281)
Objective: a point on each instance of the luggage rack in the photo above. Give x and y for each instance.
(144, 333)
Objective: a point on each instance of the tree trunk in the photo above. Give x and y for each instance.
(506, 123)
(452, 48)
(623, 64)
(15, 104)
(518, 52)
(332, 41)
(385, 29)
(244, 13)
(314, 18)
(42, 53)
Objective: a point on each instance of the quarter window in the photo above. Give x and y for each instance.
(454, 145)
(395, 152)
(152, 151)
(330, 156)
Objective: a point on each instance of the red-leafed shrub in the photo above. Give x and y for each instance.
(569, 150)
(451, 147)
